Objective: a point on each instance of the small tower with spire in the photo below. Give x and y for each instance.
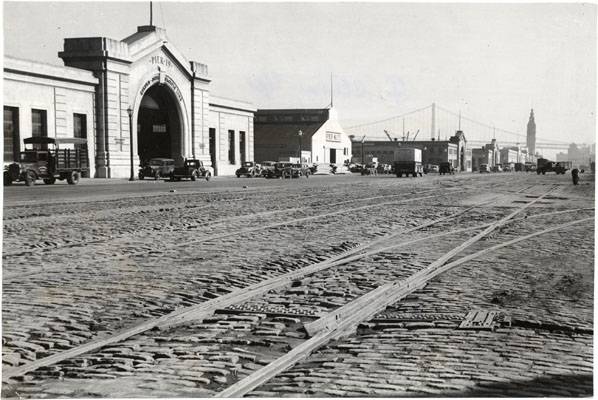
(531, 134)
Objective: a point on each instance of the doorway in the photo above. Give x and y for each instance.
(159, 126)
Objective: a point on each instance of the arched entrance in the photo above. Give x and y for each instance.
(159, 131)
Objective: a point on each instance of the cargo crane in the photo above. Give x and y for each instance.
(389, 137)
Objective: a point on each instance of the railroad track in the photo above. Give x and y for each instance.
(204, 310)
(185, 317)
(189, 225)
(212, 237)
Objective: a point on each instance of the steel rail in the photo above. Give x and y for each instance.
(229, 234)
(208, 308)
(201, 310)
(344, 321)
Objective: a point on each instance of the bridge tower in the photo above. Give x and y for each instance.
(531, 134)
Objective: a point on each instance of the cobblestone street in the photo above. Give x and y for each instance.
(84, 264)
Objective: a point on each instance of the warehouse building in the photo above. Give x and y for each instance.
(109, 86)
(315, 135)
(454, 151)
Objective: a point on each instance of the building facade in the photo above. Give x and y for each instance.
(315, 134)
(140, 88)
(509, 156)
(481, 156)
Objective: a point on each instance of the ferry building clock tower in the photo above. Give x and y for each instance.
(531, 134)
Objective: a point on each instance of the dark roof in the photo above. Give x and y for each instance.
(282, 126)
(50, 140)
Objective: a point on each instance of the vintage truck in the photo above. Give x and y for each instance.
(408, 161)
(545, 166)
(192, 169)
(48, 161)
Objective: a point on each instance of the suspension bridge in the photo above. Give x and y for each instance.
(442, 123)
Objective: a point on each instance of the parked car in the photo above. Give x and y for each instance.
(295, 170)
(431, 168)
(484, 168)
(446, 168)
(497, 168)
(277, 171)
(267, 165)
(192, 169)
(157, 168)
(49, 164)
(356, 168)
(249, 169)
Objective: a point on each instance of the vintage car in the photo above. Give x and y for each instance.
(192, 169)
(298, 170)
(431, 168)
(484, 168)
(249, 169)
(446, 168)
(49, 164)
(497, 168)
(157, 168)
(275, 171)
(267, 165)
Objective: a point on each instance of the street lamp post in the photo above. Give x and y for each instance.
(130, 112)
(300, 134)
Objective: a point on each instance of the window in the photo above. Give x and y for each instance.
(39, 126)
(80, 126)
(231, 146)
(242, 145)
(11, 134)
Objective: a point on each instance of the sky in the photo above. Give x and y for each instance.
(491, 62)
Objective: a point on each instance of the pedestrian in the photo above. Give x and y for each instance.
(575, 176)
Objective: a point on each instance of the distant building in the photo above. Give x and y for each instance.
(578, 155)
(454, 150)
(281, 134)
(510, 155)
(481, 156)
(531, 134)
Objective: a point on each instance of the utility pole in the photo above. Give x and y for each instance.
(459, 119)
(151, 13)
(433, 130)
(331, 92)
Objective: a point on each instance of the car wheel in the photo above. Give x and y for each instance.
(29, 178)
(194, 176)
(157, 176)
(208, 176)
(238, 175)
(141, 176)
(73, 178)
(7, 179)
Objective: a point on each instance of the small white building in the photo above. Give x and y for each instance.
(316, 133)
